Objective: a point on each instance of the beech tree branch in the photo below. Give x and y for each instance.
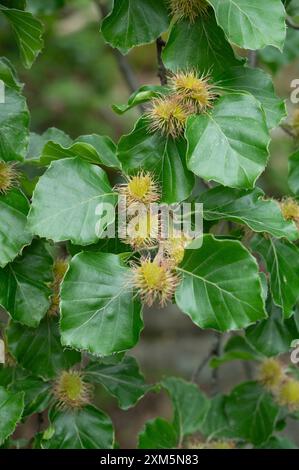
(122, 62)
(217, 349)
(253, 59)
(288, 131)
(162, 72)
(214, 352)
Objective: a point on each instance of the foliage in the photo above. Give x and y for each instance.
(74, 302)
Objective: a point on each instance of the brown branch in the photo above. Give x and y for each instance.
(201, 366)
(162, 72)
(126, 71)
(247, 370)
(122, 62)
(214, 352)
(39, 422)
(288, 131)
(253, 59)
(217, 349)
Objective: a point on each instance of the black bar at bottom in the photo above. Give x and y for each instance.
(138, 458)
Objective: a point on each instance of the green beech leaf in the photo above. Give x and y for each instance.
(281, 258)
(99, 313)
(37, 142)
(158, 434)
(259, 84)
(14, 235)
(93, 148)
(264, 283)
(220, 286)
(230, 144)
(247, 207)
(163, 156)
(28, 31)
(24, 285)
(14, 123)
(39, 349)
(190, 405)
(14, 115)
(279, 442)
(134, 22)
(87, 428)
(8, 75)
(65, 201)
(274, 335)
(200, 45)
(142, 95)
(294, 173)
(216, 424)
(251, 24)
(11, 409)
(252, 412)
(236, 349)
(122, 379)
(276, 59)
(37, 392)
(105, 245)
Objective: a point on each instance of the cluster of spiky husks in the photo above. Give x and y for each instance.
(137, 194)
(59, 269)
(9, 177)
(274, 378)
(189, 94)
(188, 9)
(70, 390)
(290, 209)
(154, 281)
(143, 230)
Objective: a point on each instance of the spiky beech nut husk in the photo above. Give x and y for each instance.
(9, 177)
(194, 90)
(288, 394)
(188, 9)
(71, 391)
(154, 281)
(290, 209)
(173, 248)
(271, 373)
(59, 269)
(168, 115)
(142, 188)
(143, 230)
